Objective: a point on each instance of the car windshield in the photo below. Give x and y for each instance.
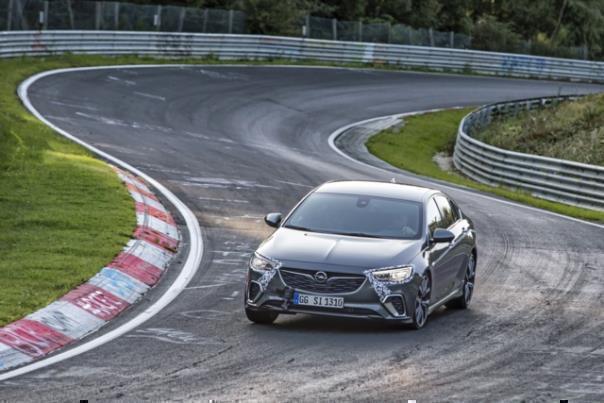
(358, 215)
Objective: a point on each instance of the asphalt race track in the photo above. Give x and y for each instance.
(237, 142)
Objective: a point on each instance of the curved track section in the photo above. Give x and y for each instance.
(236, 142)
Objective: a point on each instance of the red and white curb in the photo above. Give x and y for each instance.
(117, 286)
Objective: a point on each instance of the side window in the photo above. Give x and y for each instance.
(456, 210)
(433, 217)
(448, 213)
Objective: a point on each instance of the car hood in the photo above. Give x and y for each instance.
(337, 252)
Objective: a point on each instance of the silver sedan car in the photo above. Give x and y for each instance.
(364, 249)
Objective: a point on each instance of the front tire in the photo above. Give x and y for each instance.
(463, 301)
(261, 317)
(422, 303)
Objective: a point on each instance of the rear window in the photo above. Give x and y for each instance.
(358, 215)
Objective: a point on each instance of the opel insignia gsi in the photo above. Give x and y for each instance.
(364, 249)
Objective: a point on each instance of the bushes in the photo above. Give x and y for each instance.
(490, 34)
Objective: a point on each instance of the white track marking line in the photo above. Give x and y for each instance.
(232, 296)
(198, 287)
(127, 82)
(144, 94)
(223, 200)
(187, 272)
(334, 135)
(294, 184)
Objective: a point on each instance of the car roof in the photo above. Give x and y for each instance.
(378, 188)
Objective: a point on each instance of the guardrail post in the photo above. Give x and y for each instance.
(231, 13)
(9, 16)
(181, 18)
(204, 26)
(451, 39)
(24, 24)
(307, 22)
(97, 15)
(389, 33)
(116, 15)
(70, 15)
(44, 16)
(334, 29)
(431, 35)
(360, 31)
(484, 119)
(157, 19)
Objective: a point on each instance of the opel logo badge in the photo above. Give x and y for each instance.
(320, 277)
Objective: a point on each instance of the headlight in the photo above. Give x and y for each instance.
(397, 274)
(260, 263)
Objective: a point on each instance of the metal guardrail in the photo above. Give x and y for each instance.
(230, 47)
(26, 15)
(548, 178)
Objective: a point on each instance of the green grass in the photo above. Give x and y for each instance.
(63, 213)
(571, 130)
(412, 147)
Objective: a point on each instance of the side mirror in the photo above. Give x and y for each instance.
(273, 219)
(442, 236)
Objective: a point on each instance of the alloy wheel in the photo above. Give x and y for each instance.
(470, 277)
(422, 301)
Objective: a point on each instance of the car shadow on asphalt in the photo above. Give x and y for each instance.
(439, 319)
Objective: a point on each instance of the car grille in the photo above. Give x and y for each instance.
(335, 284)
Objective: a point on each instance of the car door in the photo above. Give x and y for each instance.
(437, 252)
(457, 253)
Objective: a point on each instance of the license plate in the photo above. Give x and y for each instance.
(318, 300)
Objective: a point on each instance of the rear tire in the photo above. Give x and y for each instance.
(469, 279)
(261, 317)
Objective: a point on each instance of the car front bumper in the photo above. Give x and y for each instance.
(267, 291)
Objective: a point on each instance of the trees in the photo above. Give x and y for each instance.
(277, 17)
(583, 24)
(545, 23)
(491, 34)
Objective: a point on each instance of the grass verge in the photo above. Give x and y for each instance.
(63, 213)
(412, 147)
(572, 130)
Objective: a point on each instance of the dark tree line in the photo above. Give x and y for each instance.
(493, 24)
